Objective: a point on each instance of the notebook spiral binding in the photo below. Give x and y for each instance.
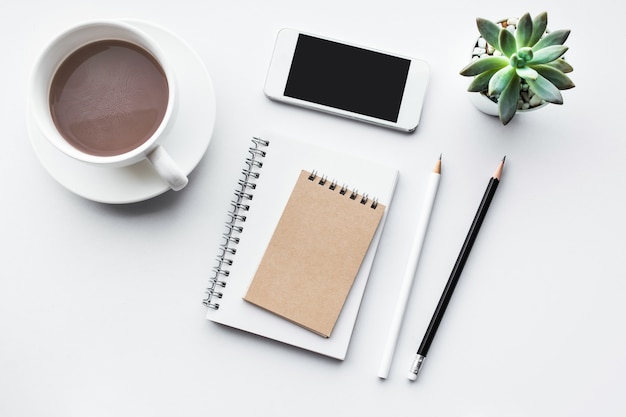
(234, 225)
(353, 194)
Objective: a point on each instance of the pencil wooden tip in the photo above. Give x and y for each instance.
(498, 172)
(437, 169)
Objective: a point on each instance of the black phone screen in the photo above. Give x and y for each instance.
(347, 77)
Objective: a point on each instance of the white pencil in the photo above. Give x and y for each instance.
(409, 275)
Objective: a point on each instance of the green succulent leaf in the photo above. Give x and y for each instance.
(546, 90)
(508, 44)
(540, 23)
(561, 64)
(484, 64)
(555, 76)
(524, 30)
(507, 102)
(500, 80)
(548, 54)
(480, 83)
(527, 73)
(489, 31)
(556, 37)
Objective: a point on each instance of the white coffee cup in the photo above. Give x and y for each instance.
(55, 54)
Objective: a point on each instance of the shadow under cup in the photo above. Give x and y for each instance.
(102, 94)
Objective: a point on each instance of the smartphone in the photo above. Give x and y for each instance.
(347, 80)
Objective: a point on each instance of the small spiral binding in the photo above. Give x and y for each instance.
(234, 226)
(352, 194)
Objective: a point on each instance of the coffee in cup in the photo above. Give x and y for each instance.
(103, 93)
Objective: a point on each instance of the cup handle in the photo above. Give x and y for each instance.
(167, 168)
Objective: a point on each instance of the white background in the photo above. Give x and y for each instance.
(100, 305)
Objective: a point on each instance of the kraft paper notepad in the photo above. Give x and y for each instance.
(315, 253)
(271, 166)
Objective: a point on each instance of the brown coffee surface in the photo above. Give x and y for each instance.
(108, 97)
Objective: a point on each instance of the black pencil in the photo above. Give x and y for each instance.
(422, 351)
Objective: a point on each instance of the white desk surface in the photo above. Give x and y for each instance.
(100, 305)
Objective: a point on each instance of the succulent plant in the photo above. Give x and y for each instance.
(527, 55)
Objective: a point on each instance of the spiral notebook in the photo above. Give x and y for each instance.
(271, 169)
(315, 253)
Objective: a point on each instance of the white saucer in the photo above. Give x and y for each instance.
(188, 141)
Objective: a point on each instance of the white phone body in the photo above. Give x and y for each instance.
(368, 85)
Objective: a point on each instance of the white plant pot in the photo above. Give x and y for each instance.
(484, 103)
